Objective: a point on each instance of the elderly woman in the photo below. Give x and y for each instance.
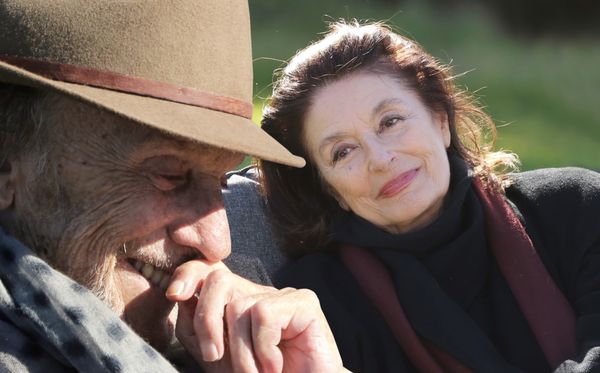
(426, 252)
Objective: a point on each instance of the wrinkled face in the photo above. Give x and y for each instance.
(380, 150)
(119, 206)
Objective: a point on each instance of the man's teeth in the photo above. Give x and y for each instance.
(153, 274)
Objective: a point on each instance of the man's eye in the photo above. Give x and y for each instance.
(166, 182)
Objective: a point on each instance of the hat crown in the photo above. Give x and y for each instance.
(175, 42)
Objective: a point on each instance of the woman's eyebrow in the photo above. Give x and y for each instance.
(329, 139)
(385, 103)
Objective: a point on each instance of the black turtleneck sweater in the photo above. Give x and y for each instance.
(451, 288)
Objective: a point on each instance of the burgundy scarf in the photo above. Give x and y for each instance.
(545, 308)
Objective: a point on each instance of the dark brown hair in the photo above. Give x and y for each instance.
(300, 203)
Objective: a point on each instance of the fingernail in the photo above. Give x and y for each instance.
(176, 288)
(209, 351)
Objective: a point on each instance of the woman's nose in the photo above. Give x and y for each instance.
(380, 158)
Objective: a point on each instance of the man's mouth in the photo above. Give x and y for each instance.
(154, 275)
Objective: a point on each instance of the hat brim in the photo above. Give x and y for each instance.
(195, 123)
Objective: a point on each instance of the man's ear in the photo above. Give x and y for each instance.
(8, 172)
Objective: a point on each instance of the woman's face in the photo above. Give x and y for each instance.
(380, 150)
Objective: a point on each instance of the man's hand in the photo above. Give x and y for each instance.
(236, 325)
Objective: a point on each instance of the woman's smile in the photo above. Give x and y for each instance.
(398, 184)
(380, 150)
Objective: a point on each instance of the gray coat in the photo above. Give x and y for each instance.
(252, 235)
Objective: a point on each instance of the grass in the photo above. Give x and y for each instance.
(544, 94)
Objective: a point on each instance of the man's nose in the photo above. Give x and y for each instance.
(205, 229)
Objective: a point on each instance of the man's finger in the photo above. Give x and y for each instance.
(266, 336)
(184, 329)
(291, 320)
(210, 310)
(189, 277)
(239, 330)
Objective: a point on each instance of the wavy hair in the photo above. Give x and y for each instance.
(299, 201)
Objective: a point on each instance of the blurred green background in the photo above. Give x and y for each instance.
(535, 66)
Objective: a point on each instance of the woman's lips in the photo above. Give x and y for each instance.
(397, 184)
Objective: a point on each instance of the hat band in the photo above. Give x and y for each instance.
(129, 84)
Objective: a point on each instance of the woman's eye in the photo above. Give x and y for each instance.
(340, 153)
(388, 122)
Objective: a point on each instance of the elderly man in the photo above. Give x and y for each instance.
(118, 121)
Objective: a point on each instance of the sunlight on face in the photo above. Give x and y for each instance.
(380, 150)
(118, 198)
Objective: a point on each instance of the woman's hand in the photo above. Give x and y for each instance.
(237, 325)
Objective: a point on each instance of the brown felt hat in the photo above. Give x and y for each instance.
(182, 66)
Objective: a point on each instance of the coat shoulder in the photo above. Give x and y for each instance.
(547, 182)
